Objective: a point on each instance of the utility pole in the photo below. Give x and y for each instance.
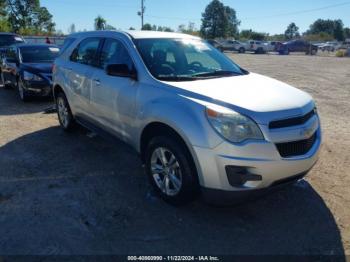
(142, 12)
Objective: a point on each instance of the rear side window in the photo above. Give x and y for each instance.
(85, 53)
(114, 52)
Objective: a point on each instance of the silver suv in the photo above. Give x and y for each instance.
(201, 123)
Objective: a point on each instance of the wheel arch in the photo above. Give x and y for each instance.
(158, 128)
(57, 89)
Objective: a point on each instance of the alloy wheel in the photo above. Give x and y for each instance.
(166, 171)
(20, 90)
(63, 112)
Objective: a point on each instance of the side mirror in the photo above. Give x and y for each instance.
(121, 70)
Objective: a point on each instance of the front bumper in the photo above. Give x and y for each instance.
(261, 161)
(40, 89)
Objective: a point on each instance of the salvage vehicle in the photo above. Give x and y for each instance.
(28, 68)
(201, 123)
(298, 45)
(233, 45)
(6, 40)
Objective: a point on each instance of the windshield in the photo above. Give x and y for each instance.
(7, 40)
(185, 60)
(39, 54)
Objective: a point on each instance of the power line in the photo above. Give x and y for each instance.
(299, 12)
(261, 17)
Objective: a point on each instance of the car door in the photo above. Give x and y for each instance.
(113, 98)
(80, 67)
(10, 63)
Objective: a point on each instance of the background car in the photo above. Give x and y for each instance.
(214, 43)
(329, 46)
(29, 69)
(234, 45)
(298, 46)
(258, 47)
(6, 40)
(275, 45)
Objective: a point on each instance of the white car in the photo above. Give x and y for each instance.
(330, 46)
(201, 123)
(258, 47)
(233, 45)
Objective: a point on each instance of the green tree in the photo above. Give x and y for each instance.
(347, 32)
(252, 35)
(219, 20)
(232, 23)
(334, 28)
(292, 31)
(100, 23)
(110, 27)
(28, 16)
(147, 27)
(131, 28)
(3, 11)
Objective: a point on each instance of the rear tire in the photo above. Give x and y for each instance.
(171, 170)
(64, 113)
(241, 50)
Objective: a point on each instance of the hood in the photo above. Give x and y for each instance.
(252, 92)
(44, 68)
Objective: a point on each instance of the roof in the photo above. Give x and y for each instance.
(139, 34)
(156, 34)
(34, 45)
(3, 33)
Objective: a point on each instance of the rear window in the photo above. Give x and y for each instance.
(7, 40)
(39, 54)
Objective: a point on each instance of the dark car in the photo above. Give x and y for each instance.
(29, 69)
(298, 46)
(8, 39)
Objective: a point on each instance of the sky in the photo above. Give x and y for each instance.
(270, 16)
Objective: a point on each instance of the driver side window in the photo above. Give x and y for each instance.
(114, 52)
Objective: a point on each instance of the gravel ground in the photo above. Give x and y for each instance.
(79, 194)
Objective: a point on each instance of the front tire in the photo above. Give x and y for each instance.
(241, 50)
(171, 171)
(64, 113)
(21, 91)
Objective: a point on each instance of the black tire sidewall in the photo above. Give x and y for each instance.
(71, 121)
(25, 97)
(190, 186)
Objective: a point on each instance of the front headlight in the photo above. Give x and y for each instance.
(31, 77)
(233, 126)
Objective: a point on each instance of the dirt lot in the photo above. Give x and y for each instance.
(81, 194)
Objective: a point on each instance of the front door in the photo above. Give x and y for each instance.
(113, 98)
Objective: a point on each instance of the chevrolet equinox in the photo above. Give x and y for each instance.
(201, 123)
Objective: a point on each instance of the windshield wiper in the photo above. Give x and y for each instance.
(176, 78)
(217, 73)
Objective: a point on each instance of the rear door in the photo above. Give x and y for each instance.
(81, 65)
(113, 98)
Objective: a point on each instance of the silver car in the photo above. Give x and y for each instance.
(201, 123)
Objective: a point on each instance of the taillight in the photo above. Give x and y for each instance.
(53, 68)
